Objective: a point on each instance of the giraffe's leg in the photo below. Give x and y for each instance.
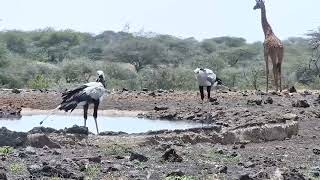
(279, 64)
(95, 114)
(267, 67)
(85, 113)
(273, 57)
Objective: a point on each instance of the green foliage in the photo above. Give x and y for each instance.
(39, 82)
(116, 149)
(6, 150)
(78, 70)
(17, 168)
(92, 171)
(138, 60)
(222, 158)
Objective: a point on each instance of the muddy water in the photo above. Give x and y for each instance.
(106, 123)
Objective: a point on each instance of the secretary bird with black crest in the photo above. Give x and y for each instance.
(90, 93)
(206, 78)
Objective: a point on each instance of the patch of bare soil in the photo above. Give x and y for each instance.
(253, 136)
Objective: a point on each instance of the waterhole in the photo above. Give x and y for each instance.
(105, 123)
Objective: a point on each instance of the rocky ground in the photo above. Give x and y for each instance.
(252, 135)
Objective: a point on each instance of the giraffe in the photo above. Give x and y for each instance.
(273, 47)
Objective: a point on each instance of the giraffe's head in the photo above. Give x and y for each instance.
(259, 4)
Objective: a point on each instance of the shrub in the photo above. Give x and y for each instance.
(39, 82)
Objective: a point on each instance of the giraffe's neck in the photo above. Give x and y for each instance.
(265, 25)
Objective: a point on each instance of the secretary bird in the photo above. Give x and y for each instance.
(90, 93)
(206, 78)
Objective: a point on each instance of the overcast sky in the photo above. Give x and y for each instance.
(184, 18)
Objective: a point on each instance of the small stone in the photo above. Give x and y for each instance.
(292, 89)
(269, 100)
(249, 164)
(176, 173)
(223, 169)
(33, 169)
(245, 177)
(45, 147)
(234, 154)
(160, 108)
(56, 152)
(139, 157)
(301, 104)
(3, 175)
(171, 156)
(290, 117)
(316, 151)
(242, 146)
(22, 155)
(30, 150)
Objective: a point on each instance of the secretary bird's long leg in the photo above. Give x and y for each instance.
(95, 114)
(85, 114)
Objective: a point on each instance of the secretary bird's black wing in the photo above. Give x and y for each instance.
(68, 94)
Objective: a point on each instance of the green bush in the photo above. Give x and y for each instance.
(39, 82)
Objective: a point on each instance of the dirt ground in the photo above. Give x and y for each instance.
(174, 154)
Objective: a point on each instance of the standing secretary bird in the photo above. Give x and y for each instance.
(90, 93)
(206, 78)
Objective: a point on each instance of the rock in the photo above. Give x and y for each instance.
(292, 89)
(171, 156)
(124, 89)
(95, 159)
(245, 177)
(56, 152)
(301, 104)
(163, 147)
(112, 133)
(176, 173)
(213, 99)
(254, 102)
(269, 100)
(316, 151)
(12, 138)
(55, 171)
(41, 129)
(22, 155)
(261, 175)
(75, 129)
(3, 175)
(113, 168)
(153, 94)
(160, 108)
(261, 133)
(290, 117)
(242, 146)
(34, 169)
(10, 112)
(145, 89)
(293, 174)
(223, 169)
(30, 150)
(40, 140)
(160, 91)
(16, 91)
(249, 164)
(139, 157)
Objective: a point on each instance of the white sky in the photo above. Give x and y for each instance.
(183, 18)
